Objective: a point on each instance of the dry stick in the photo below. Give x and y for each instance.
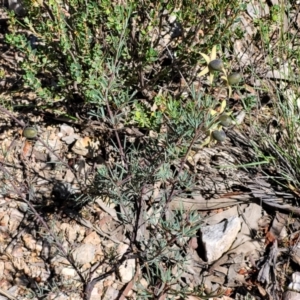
(41, 220)
(108, 106)
(12, 116)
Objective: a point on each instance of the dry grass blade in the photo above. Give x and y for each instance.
(202, 204)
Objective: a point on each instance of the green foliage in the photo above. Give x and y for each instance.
(97, 51)
(160, 253)
(129, 185)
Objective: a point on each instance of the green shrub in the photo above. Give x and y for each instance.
(92, 52)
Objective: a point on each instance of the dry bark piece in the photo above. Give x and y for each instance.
(199, 203)
(267, 274)
(278, 229)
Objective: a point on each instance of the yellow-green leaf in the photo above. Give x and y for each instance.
(229, 91)
(213, 112)
(203, 72)
(211, 77)
(206, 141)
(225, 79)
(223, 105)
(213, 54)
(207, 59)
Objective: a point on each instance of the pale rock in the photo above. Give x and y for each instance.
(84, 254)
(69, 176)
(73, 232)
(29, 241)
(172, 18)
(217, 239)
(93, 238)
(68, 271)
(111, 293)
(15, 219)
(66, 129)
(291, 295)
(295, 284)
(23, 207)
(70, 138)
(17, 251)
(85, 146)
(127, 269)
